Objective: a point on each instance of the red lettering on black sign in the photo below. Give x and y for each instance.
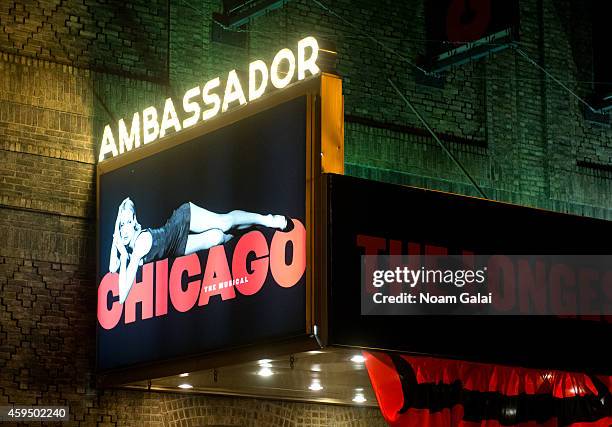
(255, 273)
(109, 317)
(216, 277)
(288, 274)
(141, 293)
(184, 300)
(286, 260)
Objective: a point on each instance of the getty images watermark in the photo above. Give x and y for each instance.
(487, 284)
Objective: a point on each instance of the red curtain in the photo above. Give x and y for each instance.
(424, 391)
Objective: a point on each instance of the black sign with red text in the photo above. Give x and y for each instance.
(396, 220)
(202, 246)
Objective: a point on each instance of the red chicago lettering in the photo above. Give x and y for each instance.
(285, 258)
(216, 276)
(161, 287)
(141, 293)
(108, 318)
(252, 243)
(287, 275)
(184, 299)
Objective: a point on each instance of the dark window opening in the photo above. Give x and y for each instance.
(602, 58)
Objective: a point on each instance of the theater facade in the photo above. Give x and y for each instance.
(306, 233)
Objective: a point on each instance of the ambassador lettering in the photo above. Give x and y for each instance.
(188, 284)
(204, 103)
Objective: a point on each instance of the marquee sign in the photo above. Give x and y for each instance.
(435, 224)
(206, 243)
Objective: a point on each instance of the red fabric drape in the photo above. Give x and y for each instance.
(424, 391)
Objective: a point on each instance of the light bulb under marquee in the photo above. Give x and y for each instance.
(359, 398)
(265, 363)
(265, 372)
(315, 386)
(145, 127)
(185, 386)
(358, 358)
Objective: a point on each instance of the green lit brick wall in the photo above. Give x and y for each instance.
(532, 129)
(68, 67)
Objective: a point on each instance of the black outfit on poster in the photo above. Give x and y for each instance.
(170, 240)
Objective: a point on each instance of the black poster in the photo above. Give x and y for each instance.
(202, 245)
(372, 218)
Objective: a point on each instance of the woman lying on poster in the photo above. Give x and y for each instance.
(189, 229)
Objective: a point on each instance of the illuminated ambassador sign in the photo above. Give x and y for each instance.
(204, 103)
(207, 241)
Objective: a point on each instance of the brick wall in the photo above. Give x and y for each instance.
(171, 410)
(67, 67)
(133, 35)
(532, 129)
